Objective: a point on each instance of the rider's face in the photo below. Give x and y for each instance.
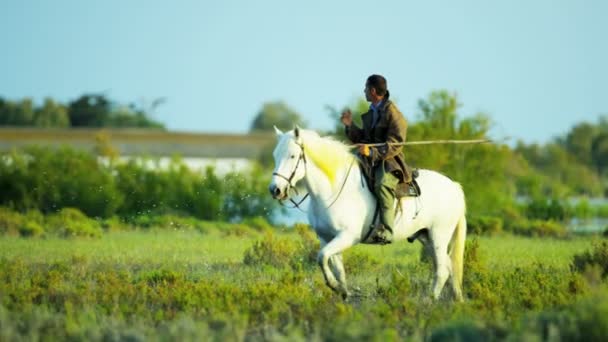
(368, 92)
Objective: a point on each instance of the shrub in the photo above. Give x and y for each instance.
(360, 262)
(10, 221)
(71, 222)
(309, 242)
(586, 320)
(236, 229)
(166, 222)
(538, 228)
(484, 225)
(114, 224)
(475, 271)
(544, 209)
(597, 257)
(548, 229)
(162, 277)
(246, 195)
(31, 229)
(461, 331)
(258, 223)
(273, 251)
(48, 180)
(51, 179)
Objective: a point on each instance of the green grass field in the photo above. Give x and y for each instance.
(186, 285)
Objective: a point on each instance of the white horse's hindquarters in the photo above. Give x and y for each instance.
(439, 193)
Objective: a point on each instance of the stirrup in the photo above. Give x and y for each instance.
(377, 235)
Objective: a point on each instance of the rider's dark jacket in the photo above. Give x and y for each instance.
(391, 127)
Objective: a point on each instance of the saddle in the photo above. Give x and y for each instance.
(409, 188)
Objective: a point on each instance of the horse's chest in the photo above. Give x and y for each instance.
(323, 226)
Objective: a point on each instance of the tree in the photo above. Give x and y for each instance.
(579, 140)
(89, 110)
(51, 114)
(19, 113)
(276, 114)
(599, 152)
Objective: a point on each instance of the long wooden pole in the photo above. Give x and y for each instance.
(429, 142)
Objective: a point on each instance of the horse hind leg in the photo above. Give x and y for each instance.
(456, 288)
(443, 269)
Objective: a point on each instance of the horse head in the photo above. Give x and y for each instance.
(289, 161)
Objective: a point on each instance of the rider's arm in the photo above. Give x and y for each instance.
(354, 133)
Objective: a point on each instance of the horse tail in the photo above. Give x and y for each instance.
(457, 252)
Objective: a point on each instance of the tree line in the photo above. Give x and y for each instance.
(89, 110)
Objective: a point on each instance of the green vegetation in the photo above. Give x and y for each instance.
(89, 110)
(186, 283)
(49, 180)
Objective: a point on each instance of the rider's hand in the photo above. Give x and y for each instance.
(363, 150)
(347, 117)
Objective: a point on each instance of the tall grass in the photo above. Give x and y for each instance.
(188, 284)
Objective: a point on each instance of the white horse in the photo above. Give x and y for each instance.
(342, 208)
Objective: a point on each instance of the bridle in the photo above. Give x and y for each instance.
(292, 186)
(302, 158)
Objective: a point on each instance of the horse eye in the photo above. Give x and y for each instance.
(293, 156)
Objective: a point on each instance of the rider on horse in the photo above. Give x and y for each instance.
(383, 123)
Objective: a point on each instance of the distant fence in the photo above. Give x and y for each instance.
(130, 142)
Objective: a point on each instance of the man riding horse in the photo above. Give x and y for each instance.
(383, 123)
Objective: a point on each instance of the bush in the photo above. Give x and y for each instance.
(544, 209)
(48, 180)
(272, 251)
(597, 257)
(236, 229)
(246, 195)
(114, 224)
(586, 320)
(461, 331)
(484, 225)
(31, 229)
(309, 243)
(51, 179)
(360, 262)
(538, 228)
(167, 222)
(258, 223)
(71, 222)
(283, 252)
(15, 223)
(10, 221)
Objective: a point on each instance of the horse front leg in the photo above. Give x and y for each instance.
(333, 248)
(337, 266)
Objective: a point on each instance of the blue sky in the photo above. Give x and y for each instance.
(536, 67)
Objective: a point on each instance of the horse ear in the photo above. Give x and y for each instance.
(278, 131)
(297, 131)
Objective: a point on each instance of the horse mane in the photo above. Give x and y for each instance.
(328, 154)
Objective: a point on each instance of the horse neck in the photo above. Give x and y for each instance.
(321, 188)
